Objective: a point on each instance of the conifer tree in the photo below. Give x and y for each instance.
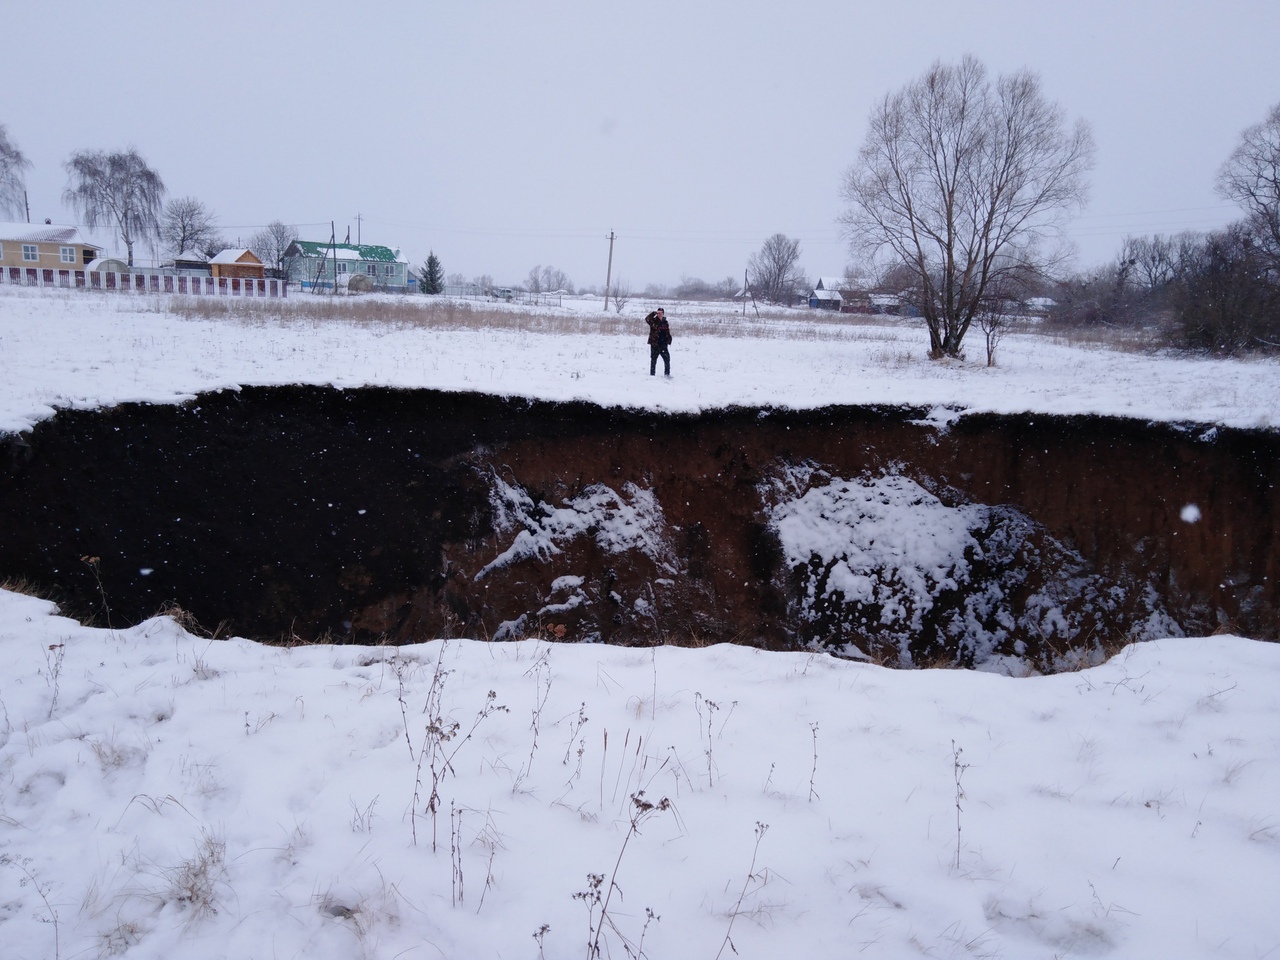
(432, 280)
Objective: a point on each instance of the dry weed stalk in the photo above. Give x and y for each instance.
(761, 830)
(42, 890)
(597, 902)
(434, 754)
(958, 770)
(53, 657)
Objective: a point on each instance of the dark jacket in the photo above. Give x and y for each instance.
(659, 330)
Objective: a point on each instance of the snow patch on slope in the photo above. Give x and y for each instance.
(619, 521)
(884, 564)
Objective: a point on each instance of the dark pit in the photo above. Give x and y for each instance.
(377, 515)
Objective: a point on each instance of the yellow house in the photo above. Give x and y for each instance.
(49, 246)
(237, 263)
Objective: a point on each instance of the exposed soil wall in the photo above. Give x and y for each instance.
(366, 514)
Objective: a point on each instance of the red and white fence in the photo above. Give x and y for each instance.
(143, 282)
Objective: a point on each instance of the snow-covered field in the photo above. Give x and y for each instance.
(67, 350)
(163, 795)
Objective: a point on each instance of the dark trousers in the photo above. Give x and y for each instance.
(657, 350)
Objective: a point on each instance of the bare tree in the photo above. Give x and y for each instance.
(1148, 262)
(775, 275)
(695, 288)
(1251, 177)
(187, 225)
(12, 185)
(554, 279)
(1004, 301)
(116, 188)
(547, 280)
(955, 175)
(621, 294)
(271, 245)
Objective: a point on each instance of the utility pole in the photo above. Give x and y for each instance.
(358, 219)
(26, 203)
(608, 276)
(333, 245)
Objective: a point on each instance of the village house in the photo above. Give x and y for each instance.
(240, 264)
(44, 246)
(829, 293)
(314, 264)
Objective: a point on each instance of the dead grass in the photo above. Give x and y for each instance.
(26, 587)
(1124, 340)
(407, 313)
(188, 622)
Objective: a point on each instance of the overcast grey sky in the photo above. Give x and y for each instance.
(504, 134)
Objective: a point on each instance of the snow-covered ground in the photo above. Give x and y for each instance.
(74, 350)
(166, 796)
(163, 795)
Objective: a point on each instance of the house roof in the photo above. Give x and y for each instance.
(824, 294)
(236, 256)
(41, 233)
(830, 283)
(347, 251)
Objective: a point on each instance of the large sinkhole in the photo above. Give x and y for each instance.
(378, 515)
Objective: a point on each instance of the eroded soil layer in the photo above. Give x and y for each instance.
(375, 514)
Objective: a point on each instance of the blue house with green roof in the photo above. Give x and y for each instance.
(318, 265)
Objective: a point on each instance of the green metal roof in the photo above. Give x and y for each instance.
(347, 251)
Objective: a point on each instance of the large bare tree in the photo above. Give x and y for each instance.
(271, 245)
(775, 274)
(1251, 177)
(963, 180)
(188, 226)
(12, 185)
(118, 189)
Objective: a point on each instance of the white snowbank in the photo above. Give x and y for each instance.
(166, 796)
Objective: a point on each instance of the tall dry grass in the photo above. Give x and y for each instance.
(401, 313)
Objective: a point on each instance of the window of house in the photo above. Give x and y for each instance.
(67, 254)
(390, 270)
(342, 267)
(30, 251)
(371, 269)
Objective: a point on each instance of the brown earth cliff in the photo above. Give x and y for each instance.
(384, 515)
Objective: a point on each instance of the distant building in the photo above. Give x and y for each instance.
(241, 264)
(189, 265)
(829, 293)
(315, 264)
(49, 246)
(825, 299)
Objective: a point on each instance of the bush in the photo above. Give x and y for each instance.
(1228, 298)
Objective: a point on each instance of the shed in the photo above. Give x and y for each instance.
(242, 264)
(108, 265)
(821, 299)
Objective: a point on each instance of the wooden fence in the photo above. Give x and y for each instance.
(143, 282)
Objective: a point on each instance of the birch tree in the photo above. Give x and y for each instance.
(116, 189)
(12, 184)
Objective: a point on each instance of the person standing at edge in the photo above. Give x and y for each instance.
(659, 340)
